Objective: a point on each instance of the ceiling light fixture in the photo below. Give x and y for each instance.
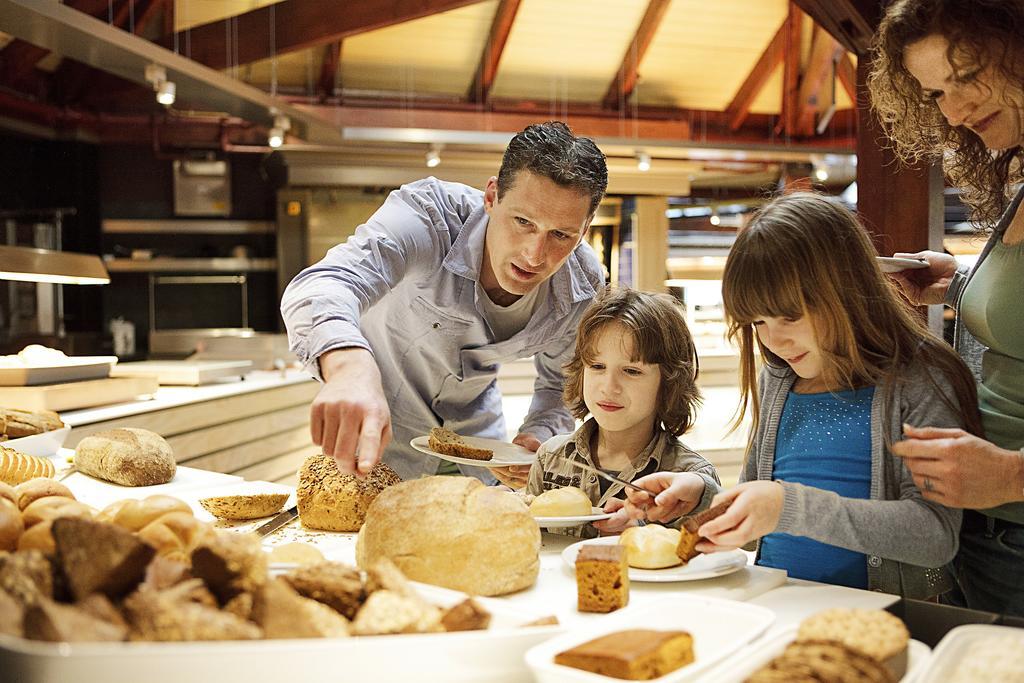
(433, 157)
(643, 161)
(165, 90)
(715, 219)
(282, 124)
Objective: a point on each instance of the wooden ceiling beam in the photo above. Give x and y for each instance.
(18, 61)
(851, 22)
(624, 83)
(329, 70)
(487, 70)
(298, 25)
(791, 71)
(846, 72)
(824, 51)
(755, 81)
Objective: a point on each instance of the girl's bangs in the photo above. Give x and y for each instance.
(757, 286)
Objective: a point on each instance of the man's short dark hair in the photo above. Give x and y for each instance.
(551, 150)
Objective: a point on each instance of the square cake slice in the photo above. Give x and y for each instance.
(602, 578)
(633, 655)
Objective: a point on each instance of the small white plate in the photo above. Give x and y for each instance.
(705, 566)
(956, 648)
(505, 454)
(893, 264)
(43, 445)
(760, 652)
(596, 515)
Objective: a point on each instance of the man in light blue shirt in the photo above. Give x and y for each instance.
(408, 321)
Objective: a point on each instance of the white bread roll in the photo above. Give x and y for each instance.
(126, 456)
(453, 532)
(564, 502)
(651, 546)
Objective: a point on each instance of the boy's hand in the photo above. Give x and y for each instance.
(677, 494)
(618, 522)
(754, 511)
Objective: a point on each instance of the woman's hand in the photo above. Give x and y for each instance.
(926, 285)
(754, 511)
(618, 522)
(960, 470)
(677, 494)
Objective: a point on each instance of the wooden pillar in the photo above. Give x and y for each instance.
(650, 239)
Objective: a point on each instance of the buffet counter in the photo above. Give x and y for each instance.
(256, 427)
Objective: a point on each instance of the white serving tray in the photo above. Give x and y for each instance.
(719, 628)
(43, 445)
(477, 656)
(183, 372)
(955, 646)
(100, 494)
(76, 368)
(748, 660)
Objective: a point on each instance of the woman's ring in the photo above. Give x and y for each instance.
(928, 485)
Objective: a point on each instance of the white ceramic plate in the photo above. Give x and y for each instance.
(892, 264)
(505, 454)
(700, 567)
(719, 628)
(76, 368)
(759, 653)
(596, 515)
(43, 445)
(955, 648)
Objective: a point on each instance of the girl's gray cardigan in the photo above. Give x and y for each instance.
(907, 540)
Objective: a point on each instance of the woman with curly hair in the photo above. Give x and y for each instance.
(947, 84)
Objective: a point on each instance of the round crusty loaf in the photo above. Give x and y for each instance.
(126, 456)
(453, 532)
(243, 507)
(331, 501)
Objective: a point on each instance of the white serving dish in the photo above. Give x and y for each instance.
(100, 494)
(74, 369)
(477, 656)
(719, 628)
(43, 445)
(505, 454)
(704, 566)
(955, 648)
(751, 658)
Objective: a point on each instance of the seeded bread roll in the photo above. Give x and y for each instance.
(243, 507)
(126, 456)
(332, 501)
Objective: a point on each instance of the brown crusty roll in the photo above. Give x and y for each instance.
(17, 467)
(41, 487)
(175, 535)
(126, 456)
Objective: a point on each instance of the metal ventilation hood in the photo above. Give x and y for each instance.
(70, 33)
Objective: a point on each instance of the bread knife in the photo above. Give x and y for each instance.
(66, 473)
(611, 477)
(279, 520)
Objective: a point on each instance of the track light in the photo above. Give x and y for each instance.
(165, 90)
(715, 218)
(433, 157)
(821, 173)
(643, 162)
(282, 124)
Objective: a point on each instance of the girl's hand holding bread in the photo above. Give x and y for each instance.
(754, 511)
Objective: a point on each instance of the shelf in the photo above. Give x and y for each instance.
(191, 227)
(190, 265)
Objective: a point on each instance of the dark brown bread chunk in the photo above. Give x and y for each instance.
(602, 578)
(334, 584)
(230, 564)
(467, 615)
(96, 557)
(688, 536)
(634, 655)
(56, 623)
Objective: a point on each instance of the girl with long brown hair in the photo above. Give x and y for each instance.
(845, 364)
(947, 83)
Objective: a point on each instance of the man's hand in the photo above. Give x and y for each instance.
(926, 285)
(677, 494)
(350, 418)
(516, 476)
(754, 512)
(960, 470)
(619, 520)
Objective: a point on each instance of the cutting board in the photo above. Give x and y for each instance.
(74, 395)
(186, 372)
